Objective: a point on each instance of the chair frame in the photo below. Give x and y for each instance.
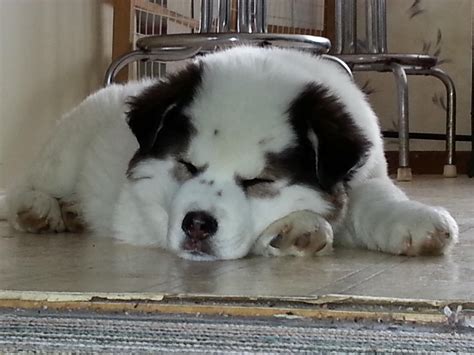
(177, 47)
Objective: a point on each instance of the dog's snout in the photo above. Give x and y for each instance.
(199, 225)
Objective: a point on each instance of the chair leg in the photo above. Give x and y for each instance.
(470, 172)
(404, 170)
(450, 170)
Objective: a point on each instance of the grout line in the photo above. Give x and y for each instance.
(351, 274)
(174, 285)
(390, 266)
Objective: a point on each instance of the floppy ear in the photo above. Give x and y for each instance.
(340, 145)
(148, 111)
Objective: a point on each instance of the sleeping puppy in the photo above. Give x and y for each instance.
(249, 150)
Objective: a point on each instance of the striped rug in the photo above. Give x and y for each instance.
(50, 331)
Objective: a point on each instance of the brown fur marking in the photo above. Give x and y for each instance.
(180, 173)
(32, 222)
(73, 221)
(338, 199)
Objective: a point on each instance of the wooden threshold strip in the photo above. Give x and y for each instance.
(338, 307)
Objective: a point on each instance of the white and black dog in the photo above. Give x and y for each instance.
(248, 150)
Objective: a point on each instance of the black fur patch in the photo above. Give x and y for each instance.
(156, 116)
(296, 164)
(342, 146)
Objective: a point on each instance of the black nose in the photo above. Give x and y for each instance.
(199, 225)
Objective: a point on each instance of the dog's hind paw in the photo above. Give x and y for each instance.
(433, 232)
(301, 233)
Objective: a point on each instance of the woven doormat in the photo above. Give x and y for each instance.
(60, 331)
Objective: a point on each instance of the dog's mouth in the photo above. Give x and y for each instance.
(197, 250)
(197, 255)
(192, 245)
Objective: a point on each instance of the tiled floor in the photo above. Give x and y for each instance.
(85, 263)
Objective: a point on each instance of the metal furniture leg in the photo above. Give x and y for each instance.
(470, 172)
(206, 16)
(404, 170)
(349, 41)
(450, 166)
(382, 26)
(370, 28)
(243, 17)
(224, 16)
(339, 19)
(449, 170)
(260, 16)
(345, 27)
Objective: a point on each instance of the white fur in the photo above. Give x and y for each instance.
(244, 94)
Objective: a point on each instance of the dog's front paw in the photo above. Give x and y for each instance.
(301, 233)
(426, 231)
(35, 212)
(72, 217)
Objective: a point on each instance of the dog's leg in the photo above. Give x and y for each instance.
(38, 203)
(301, 233)
(47, 200)
(381, 217)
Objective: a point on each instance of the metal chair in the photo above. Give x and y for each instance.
(377, 59)
(250, 30)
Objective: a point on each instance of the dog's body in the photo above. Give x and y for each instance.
(248, 150)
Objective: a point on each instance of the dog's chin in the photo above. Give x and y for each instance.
(197, 256)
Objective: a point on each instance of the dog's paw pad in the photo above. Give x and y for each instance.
(32, 222)
(307, 243)
(303, 241)
(432, 233)
(72, 217)
(433, 243)
(311, 242)
(301, 233)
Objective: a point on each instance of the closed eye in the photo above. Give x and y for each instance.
(193, 170)
(257, 181)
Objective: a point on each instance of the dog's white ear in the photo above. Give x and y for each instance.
(323, 121)
(162, 104)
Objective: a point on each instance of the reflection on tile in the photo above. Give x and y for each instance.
(85, 263)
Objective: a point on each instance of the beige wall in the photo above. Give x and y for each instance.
(53, 53)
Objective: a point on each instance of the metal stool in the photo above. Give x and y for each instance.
(400, 65)
(176, 47)
(251, 28)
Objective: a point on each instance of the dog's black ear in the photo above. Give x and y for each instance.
(149, 110)
(322, 120)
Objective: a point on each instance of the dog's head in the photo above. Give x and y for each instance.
(230, 144)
